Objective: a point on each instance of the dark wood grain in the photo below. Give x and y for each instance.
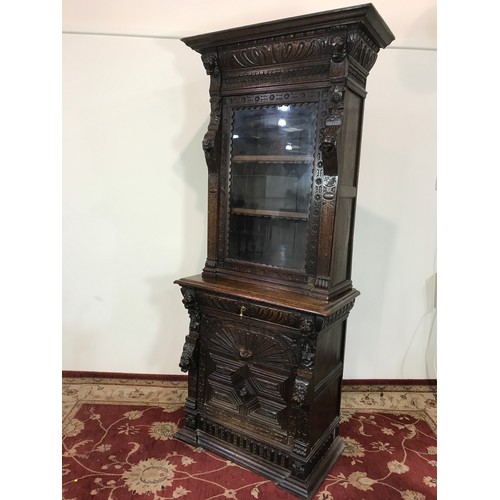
(265, 348)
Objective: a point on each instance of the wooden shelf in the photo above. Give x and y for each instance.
(272, 159)
(280, 214)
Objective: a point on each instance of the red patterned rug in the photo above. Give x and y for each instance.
(118, 443)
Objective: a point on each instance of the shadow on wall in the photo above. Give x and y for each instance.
(165, 296)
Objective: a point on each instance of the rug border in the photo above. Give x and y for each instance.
(171, 377)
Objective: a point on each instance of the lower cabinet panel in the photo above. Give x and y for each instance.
(264, 386)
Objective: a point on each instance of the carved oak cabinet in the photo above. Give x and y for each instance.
(268, 313)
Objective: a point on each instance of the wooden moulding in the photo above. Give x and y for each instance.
(266, 294)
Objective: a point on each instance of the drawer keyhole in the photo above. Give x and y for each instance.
(242, 310)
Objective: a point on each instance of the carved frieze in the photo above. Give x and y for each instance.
(275, 98)
(249, 79)
(293, 48)
(248, 443)
(338, 315)
(269, 272)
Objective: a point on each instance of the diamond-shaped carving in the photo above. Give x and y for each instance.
(241, 383)
(247, 390)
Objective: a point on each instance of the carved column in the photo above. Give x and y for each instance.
(211, 148)
(302, 395)
(329, 136)
(327, 213)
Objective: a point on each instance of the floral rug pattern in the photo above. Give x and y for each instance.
(118, 443)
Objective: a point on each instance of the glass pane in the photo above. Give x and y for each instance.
(271, 182)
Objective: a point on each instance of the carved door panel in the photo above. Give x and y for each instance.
(250, 372)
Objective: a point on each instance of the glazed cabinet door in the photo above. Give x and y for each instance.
(272, 154)
(269, 218)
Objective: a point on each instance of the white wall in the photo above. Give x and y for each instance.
(135, 109)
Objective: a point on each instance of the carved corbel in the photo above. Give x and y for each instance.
(338, 47)
(333, 122)
(187, 356)
(191, 304)
(363, 50)
(188, 352)
(209, 144)
(211, 140)
(330, 133)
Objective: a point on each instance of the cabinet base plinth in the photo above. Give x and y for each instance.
(188, 436)
(302, 488)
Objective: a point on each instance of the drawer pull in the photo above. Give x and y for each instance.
(242, 310)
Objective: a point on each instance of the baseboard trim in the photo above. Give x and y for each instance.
(121, 375)
(390, 381)
(152, 376)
